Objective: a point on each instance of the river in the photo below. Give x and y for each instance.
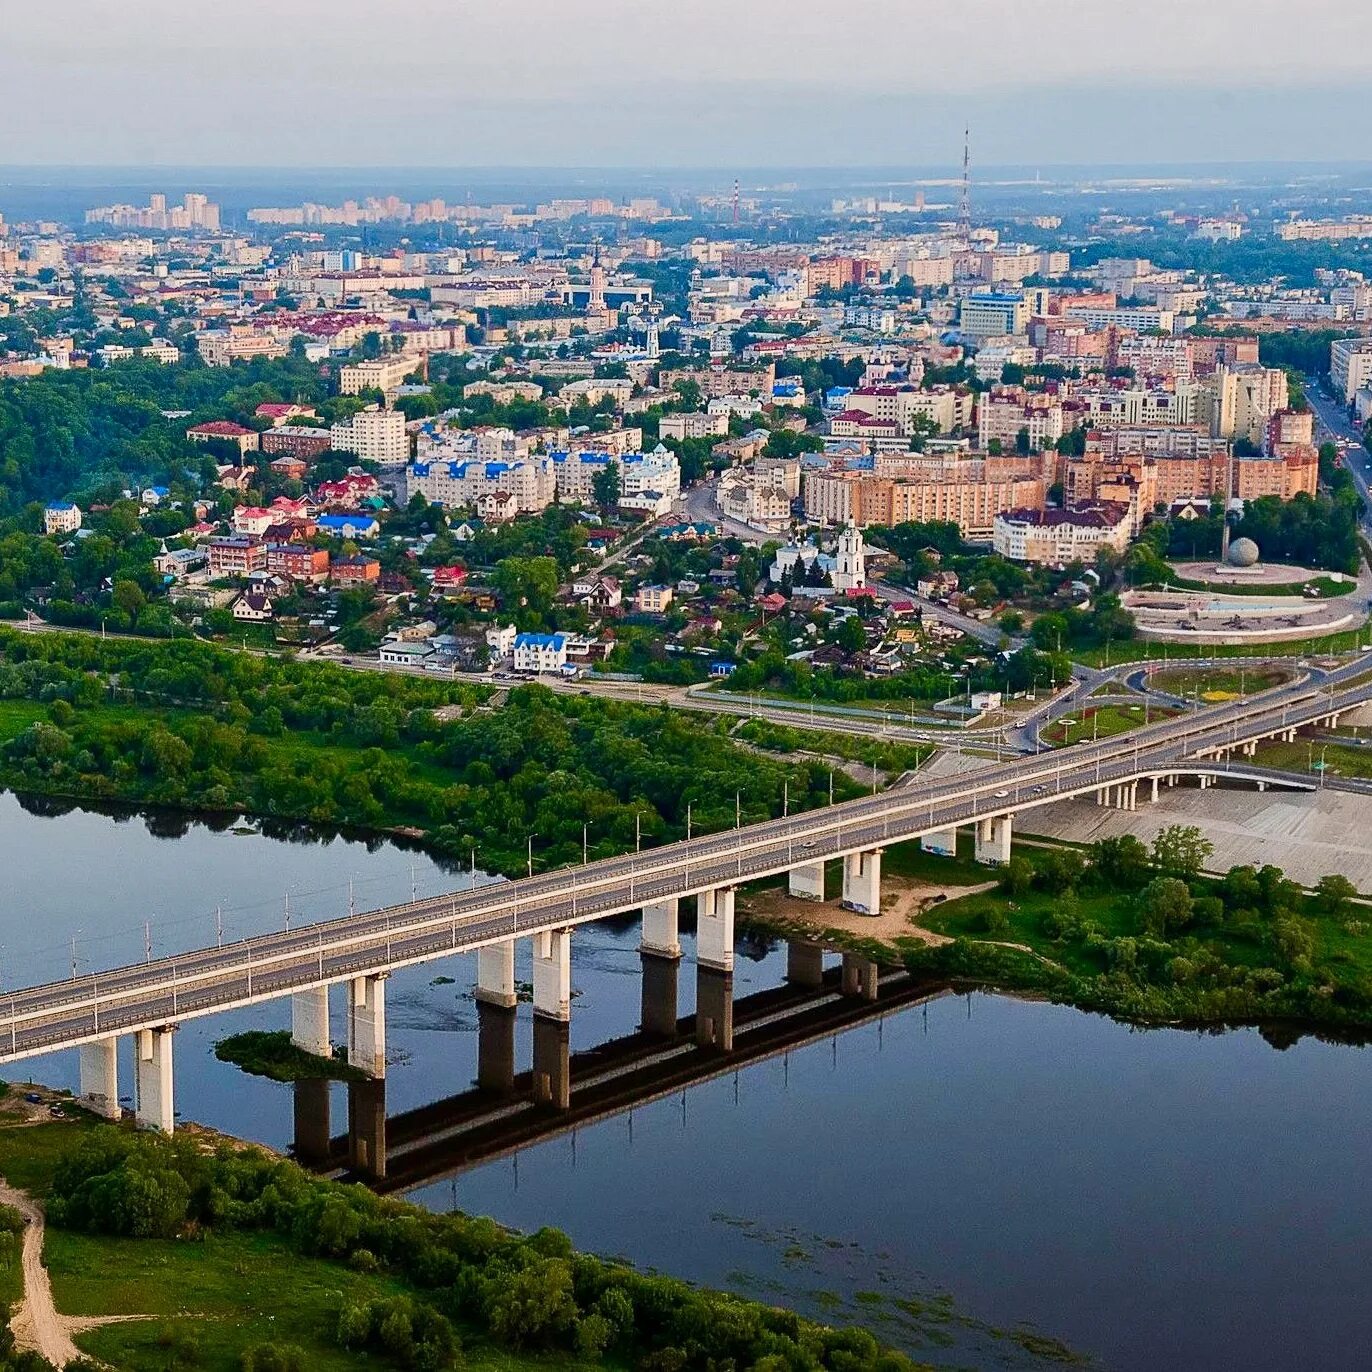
(948, 1174)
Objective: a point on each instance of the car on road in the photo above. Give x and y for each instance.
(33, 1098)
(1001, 794)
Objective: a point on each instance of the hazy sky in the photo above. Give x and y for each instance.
(714, 83)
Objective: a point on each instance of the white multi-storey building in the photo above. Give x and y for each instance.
(528, 481)
(374, 435)
(381, 374)
(1350, 366)
(645, 479)
(1058, 537)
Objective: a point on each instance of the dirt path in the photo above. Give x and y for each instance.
(36, 1325)
(903, 901)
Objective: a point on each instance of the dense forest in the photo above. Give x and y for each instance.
(186, 725)
(87, 429)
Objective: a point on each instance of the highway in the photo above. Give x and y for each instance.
(145, 995)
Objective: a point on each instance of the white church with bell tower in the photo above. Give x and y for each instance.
(850, 561)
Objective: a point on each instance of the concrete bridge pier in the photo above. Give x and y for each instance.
(944, 843)
(715, 929)
(993, 840)
(661, 934)
(806, 882)
(553, 974)
(1155, 790)
(367, 1024)
(310, 1021)
(862, 882)
(859, 976)
(661, 988)
(367, 1127)
(804, 963)
(311, 1119)
(715, 1008)
(495, 1048)
(153, 1107)
(100, 1078)
(495, 975)
(552, 1075)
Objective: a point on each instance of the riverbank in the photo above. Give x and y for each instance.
(200, 1252)
(1115, 928)
(192, 728)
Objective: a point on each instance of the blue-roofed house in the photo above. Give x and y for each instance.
(534, 653)
(61, 517)
(348, 525)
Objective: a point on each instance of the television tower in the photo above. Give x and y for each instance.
(735, 200)
(965, 199)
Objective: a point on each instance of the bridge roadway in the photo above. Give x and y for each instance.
(162, 992)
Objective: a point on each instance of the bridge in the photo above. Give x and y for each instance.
(148, 1000)
(498, 1117)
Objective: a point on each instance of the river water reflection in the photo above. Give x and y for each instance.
(1156, 1199)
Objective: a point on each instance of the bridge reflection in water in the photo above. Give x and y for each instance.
(509, 1109)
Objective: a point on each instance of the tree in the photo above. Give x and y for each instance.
(1060, 869)
(851, 636)
(1164, 904)
(605, 487)
(1333, 893)
(527, 583)
(1181, 850)
(128, 596)
(534, 1306)
(1017, 876)
(1120, 863)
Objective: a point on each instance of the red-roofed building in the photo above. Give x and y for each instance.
(772, 603)
(349, 493)
(252, 519)
(450, 578)
(224, 430)
(280, 413)
(296, 440)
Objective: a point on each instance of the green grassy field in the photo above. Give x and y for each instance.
(1138, 650)
(1347, 760)
(889, 755)
(1104, 721)
(208, 1299)
(1218, 683)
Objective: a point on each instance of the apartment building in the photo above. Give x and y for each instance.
(698, 425)
(1004, 413)
(374, 435)
(383, 374)
(971, 502)
(300, 441)
(1055, 538)
(529, 482)
(1350, 366)
(1240, 400)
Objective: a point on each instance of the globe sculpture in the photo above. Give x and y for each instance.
(1243, 552)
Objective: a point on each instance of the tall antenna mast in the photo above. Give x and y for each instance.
(965, 200)
(735, 200)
